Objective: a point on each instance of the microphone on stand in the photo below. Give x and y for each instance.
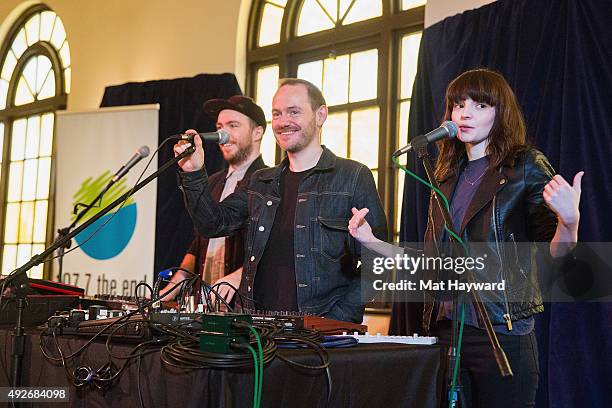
(448, 129)
(141, 153)
(220, 136)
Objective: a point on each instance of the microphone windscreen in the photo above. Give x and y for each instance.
(452, 128)
(223, 136)
(143, 151)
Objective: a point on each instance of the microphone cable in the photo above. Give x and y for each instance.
(122, 203)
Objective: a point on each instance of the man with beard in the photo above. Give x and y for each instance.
(220, 259)
(298, 253)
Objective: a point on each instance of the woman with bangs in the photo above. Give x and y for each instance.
(502, 192)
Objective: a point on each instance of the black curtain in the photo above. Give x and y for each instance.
(556, 55)
(180, 103)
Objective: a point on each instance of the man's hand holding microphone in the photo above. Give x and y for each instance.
(195, 161)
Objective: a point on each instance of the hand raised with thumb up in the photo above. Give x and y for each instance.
(564, 198)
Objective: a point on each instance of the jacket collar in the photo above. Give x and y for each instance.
(257, 164)
(493, 181)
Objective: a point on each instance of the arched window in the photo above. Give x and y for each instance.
(35, 74)
(362, 54)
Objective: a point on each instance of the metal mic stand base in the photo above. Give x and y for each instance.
(21, 286)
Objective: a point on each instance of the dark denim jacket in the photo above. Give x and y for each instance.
(326, 255)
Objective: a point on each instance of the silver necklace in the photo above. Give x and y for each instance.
(471, 183)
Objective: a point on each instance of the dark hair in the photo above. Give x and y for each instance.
(508, 134)
(314, 94)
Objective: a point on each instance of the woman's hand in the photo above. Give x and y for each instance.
(564, 199)
(359, 228)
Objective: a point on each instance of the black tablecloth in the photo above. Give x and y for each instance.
(375, 375)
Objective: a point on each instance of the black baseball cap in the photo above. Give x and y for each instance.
(239, 103)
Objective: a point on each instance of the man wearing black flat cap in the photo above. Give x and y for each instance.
(220, 259)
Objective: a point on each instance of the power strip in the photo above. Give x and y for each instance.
(379, 338)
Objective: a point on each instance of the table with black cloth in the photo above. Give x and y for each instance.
(369, 375)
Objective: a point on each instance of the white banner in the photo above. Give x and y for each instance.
(91, 147)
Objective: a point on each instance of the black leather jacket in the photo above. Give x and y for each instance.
(507, 209)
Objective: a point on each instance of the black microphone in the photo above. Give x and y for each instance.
(220, 136)
(141, 153)
(448, 129)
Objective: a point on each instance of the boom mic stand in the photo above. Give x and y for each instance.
(19, 278)
(500, 356)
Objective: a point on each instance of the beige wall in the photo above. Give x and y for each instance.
(116, 41)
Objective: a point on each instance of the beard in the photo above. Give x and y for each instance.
(308, 134)
(240, 155)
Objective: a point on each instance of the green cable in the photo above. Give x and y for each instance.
(256, 376)
(440, 193)
(261, 361)
(458, 356)
(465, 248)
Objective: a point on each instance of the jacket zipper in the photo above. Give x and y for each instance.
(516, 257)
(433, 232)
(503, 273)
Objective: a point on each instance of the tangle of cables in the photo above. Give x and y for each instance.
(179, 345)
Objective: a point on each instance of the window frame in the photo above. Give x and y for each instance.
(383, 32)
(12, 112)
